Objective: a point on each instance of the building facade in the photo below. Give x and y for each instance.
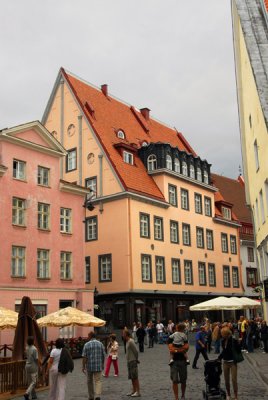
(250, 32)
(157, 241)
(41, 252)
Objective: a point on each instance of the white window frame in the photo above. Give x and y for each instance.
(198, 203)
(172, 195)
(66, 265)
(151, 162)
(186, 234)
(192, 171)
(91, 183)
(128, 157)
(65, 220)
(199, 174)
(206, 177)
(200, 237)
(91, 228)
(71, 160)
(224, 242)
(211, 274)
(160, 269)
(184, 199)
(233, 244)
(226, 213)
(19, 170)
(158, 228)
(202, 274)
(146, 268)
(43, 176)
(235, 277)
(250, 253)
(184, 168)
(43, 264)
(169, 162)
(188, 272)
(177, 165)
(43, 211)
(210, 240)
(105, 268)
(207, 206)
(18, 211)
(144, 225)
(262, 206)
(176, 271)
(226, 276)
(174, 232)
(18, 261)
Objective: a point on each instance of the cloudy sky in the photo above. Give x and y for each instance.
(174, 57)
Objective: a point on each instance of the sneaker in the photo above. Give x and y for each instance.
(115, 374)
(136, 394)
(188, 362)
(171, 362)
(130, 393)
(26, 396)
(106, 376)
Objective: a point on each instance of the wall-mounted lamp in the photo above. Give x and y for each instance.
(88, 200)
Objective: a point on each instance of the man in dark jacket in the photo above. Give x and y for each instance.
(140, 333)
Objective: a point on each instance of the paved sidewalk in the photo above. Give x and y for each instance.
(259, 363)
(155, 382)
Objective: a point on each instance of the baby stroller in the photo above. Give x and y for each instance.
(212, 374)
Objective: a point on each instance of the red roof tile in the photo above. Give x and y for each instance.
(266, 4)
(106, 115)
(233, 192)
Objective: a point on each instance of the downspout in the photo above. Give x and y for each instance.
(130, 245)
(63, 160)
(80, 146)
(100, 186)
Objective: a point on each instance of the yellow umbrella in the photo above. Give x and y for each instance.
(8, 318)
(69, 316)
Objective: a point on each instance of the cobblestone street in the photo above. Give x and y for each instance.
(154, 379)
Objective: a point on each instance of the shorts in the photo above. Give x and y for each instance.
(132, 369)
(178, 371)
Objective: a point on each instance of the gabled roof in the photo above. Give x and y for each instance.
(254, 19)
(107, 115)
(232, 191)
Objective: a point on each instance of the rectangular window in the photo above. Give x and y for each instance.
(188, 272)
(18, 262)
(233, 246)
(202, 274)
(252, 276)
(42, 264)
(18, 211)
(186, 235)
(250, 251)
(65, 265)
(211, 275)
(19, 170)
(266, 195)
(226, 213)
(208, 211)
(43, 176)
(105, 268)
(210, 241)
(224, 243)
(176, 270)
(65, 220)
(200, 237)
(71, 160)
(262, 207)
(256, 154)
(235, 276)
(91, 183)
(91, 228)
(174, 232)
(160, 269)
(184, 199)
(43, 216)
(158, 228)
(198, 203)
(172, 195)
(257, 214)
(87, 270)
(146, 268)
(226, 276)
(144, 225)
(128, 157)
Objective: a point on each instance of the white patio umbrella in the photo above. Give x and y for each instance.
(218, 303)
(69, 316)
(8, 318)
(248, 303)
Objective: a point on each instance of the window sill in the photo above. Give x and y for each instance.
(66, 233)
(44, 230)
(18, 277)
(19, 226)
(66, 279)
(43, 279)
(18, 179)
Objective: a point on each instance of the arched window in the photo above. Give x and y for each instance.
(168, 162)
(121, 134)
(192, 172)
(177, 165)
(206, 176)
(184, 168)
(199, 174)
(151, 162)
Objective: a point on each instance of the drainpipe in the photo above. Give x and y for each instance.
(80, 145)
(100, 186)
(63, 160)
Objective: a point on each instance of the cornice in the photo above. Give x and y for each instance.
(3, 170)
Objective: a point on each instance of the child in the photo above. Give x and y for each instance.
(179, 339)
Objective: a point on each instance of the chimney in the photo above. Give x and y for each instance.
(146, 113)
(104, 89)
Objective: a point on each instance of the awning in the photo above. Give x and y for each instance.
(118, 302)
(139, 301)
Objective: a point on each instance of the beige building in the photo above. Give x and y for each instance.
(250, 32)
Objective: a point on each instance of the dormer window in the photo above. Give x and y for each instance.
(128, 157)
(206, 177)
(199, 174)
(177, 165)
(192, 172)
(121, 134)
(151, 162)
(168, 162)
(184, 168)
(226, 213)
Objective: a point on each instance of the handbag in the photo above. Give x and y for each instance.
(237, 354)
(114, 357)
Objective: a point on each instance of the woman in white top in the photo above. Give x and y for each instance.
(56, 379)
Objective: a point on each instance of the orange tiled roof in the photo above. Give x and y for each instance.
(106, 115)
(233, 192)
(266, 4)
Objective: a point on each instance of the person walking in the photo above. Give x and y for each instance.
(123, 337)
(200, 346)
(152, 333)
(132, 365)
(230, 346)
(178, 369)
(112, 351)
(264, 336)
(31, 369)
(57, 377)
(160, 331)
(216, 337)
(134, 330)
(140, 333)
(93, 364)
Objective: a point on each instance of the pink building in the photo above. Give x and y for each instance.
(42, 252)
